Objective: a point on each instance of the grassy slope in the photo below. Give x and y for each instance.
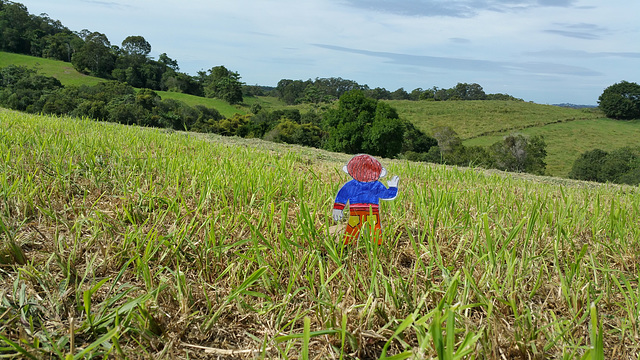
(568, 132)
(472, 119)
(67, 75)
(566, 141)
(222, 106)
(61, 70)
(164, 240)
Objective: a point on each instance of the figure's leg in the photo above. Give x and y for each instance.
(353, 227)
(377, 229)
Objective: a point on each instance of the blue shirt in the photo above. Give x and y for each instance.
(357, 192)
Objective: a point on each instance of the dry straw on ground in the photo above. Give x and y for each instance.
(136, 243)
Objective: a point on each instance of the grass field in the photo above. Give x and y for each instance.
(67, 75)
(567, 140)
(472, 119)
(130, 242)
(61, 70)
(567, 132)
(222, 106)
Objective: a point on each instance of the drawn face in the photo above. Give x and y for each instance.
(364, 168)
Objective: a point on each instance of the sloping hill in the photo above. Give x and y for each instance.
(473, 119)
(567, 140)
(119, 240)
(67, 75)
(568, 132)
(61, 70)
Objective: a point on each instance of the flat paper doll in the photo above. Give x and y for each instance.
(363, 194)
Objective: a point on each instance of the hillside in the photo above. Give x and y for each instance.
(568, 132)
(119, 240)
(67, 75)
(474, 119)
(567, 140)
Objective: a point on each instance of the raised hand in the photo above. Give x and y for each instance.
(394, 181)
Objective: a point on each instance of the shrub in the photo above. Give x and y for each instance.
(520, 154)
(621, 101)
(589, 166)
(621, 166)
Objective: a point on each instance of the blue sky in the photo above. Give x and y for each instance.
(545, 51)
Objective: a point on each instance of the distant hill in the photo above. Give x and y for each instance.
(575, 106)
(567, 130)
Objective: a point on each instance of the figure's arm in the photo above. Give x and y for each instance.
(391, 192)
(341, 201)
(393, 183)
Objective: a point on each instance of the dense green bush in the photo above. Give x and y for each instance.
(621, 166)
(518, 153)
(360, 124)
(589, 166)
(621, 101)
(291, 132)
(21, 88)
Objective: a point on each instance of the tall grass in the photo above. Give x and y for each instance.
(146, 243)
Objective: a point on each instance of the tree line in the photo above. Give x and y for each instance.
(324, 90)
(620, 166)
(92, 53)
(356, 124)
(23, 89)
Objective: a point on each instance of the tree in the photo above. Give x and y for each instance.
(518, 153)
(621, 101)
(361, 124)
(136, 46)
(617, 163)
(621, 166)
(168, 62)
(400, 94)
(94, 56)
(290, 91)
(291, 132)
(417, 141)
(21, 88)
(379, 93)
(385, 136)
(448, 139)
(464, 91)
(588, 166)
(223, 84)
(61, 46)
(14, 27)
(415, 94)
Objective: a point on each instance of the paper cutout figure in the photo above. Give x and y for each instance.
(363, 194)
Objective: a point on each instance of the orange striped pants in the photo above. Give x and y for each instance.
(360, 217)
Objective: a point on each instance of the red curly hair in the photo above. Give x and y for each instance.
(364, 168)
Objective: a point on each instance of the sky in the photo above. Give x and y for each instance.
(544, 51)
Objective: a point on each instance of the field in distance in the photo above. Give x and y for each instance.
(568, 132)
(67, 75)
